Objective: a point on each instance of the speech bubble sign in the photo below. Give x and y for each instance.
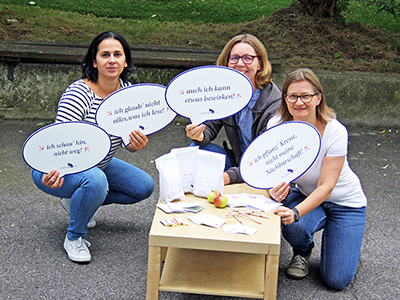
(208, 93)
(282, 153)
(68, 147)
(140, 106)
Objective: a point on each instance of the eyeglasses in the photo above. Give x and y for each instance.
(305, 98)
(247, 59)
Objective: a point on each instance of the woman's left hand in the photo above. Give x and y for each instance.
(227, 179)
(286, 214)
(138, 140)
(280, 191)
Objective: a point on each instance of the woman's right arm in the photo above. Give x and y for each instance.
(71, 107)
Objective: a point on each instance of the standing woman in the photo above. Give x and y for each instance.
(246, 54)
(105, 69)
(328, 196)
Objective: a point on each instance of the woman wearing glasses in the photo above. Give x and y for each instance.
(328, 196)
(246, 54)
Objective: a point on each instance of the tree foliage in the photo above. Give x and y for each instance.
(391, 7)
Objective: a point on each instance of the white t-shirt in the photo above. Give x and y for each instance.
(348, 190)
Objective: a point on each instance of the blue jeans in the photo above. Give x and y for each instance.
(120, 182)
(341, 240)
(217, 149)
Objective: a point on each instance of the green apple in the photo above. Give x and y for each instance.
(221, 201)
(212, 195)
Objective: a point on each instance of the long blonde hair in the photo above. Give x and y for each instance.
(324, 113)
(263, 76)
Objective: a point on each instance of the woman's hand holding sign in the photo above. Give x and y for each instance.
(53, 180)
(280, 191)
(195, 132)
(138, 140)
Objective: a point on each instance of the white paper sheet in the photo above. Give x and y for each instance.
(239, 228)
(258, 202)
(208, 220)
(181, 207)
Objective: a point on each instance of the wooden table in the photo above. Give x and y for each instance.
(206, 260)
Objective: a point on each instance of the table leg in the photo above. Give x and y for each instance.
(153, 272)
(271, 276)
(164, 251)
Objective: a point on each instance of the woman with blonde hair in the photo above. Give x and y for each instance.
(246, 54)
(327, 196)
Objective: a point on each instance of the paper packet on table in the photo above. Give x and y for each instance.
(207, 219)
(193, 207)
(189, 170)
(254, 201)
(209, 173)
(261, 202)
(187, 157)
(239, 228)
(169, 177)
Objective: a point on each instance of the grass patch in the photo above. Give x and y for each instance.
(368, 15)
(207, 11)
(296, 38)
(201, 11)
(37, 24)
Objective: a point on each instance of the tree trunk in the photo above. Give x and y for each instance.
(322, 8)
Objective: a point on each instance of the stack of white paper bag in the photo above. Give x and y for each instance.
(189, 169)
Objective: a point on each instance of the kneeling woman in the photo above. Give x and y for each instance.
(328, 196)
(105, 69)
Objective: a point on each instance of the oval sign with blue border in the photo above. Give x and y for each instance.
(282, 153)
(68, 147)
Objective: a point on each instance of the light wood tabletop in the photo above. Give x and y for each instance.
(206, 260)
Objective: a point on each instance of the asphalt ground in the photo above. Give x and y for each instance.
(34, 265)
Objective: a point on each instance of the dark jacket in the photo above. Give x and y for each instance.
(265, 107)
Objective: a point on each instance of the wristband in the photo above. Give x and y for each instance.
(296, 214)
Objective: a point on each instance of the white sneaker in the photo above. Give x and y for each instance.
(65, 202)
(77, 250)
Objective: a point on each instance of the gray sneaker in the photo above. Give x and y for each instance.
(77, 250)
(65, 202)
(298, 267)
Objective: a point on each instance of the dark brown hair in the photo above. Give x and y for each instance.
(90, 72)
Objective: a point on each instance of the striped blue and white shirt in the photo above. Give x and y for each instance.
(80, 103)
